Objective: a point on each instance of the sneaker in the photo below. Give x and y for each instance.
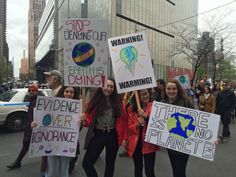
(220, 139)
(14, 165)
(223, 139)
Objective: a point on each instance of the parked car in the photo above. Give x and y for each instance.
(13, 107)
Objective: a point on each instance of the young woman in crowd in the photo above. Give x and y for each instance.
(64, 162)
(106, 121)
(175, 95)
(137, 148)
(207, 101)
(52, 161)
(67, 92)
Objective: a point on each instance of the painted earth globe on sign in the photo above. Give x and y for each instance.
(182, 79)
(129, 55)
(83, 54)
(181, 125)
(47, 120)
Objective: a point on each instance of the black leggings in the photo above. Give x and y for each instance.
(149, 161)
(96, 145)
(178, 162)
(24, 150)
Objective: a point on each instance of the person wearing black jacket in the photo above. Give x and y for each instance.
(159, 89)
(225, 102)
(33, 92)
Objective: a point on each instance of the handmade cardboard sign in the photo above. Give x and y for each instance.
(58, 130)
(182, 129)
(131, 62)
(85, 52)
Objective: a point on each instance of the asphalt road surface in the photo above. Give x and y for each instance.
(224, 164)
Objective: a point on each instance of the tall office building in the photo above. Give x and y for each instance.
(23, 71)
(36, 8)
(4, 51)
(158, 18)
(49, 50)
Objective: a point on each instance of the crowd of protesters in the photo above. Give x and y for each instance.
(115, 121)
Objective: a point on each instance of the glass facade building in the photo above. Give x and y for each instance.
(4, 50)
(158, 18)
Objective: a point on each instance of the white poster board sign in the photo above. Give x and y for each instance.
(184, 81)
(85, 52)
(182, 129)
(131, 62)
(58, 130)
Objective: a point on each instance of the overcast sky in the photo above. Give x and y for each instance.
(17, 25)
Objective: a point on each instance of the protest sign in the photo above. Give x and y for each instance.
(58, 130)
(183, 81)
(182, 129)
(131, 62)
(85, 52)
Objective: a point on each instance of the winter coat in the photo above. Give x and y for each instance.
(29, 119)
(208, 104)
(225, 101)
(120, 126)
(134, 132)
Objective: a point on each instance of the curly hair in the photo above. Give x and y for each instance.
(98, 101)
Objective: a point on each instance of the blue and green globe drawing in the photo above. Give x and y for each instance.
(181, 125)
(182, 79)
(47, 119)
(83, 54)
(129, 55)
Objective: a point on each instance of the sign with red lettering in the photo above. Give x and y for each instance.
(58, 129)
(85, 52)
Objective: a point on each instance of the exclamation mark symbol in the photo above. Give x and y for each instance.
(103, 80)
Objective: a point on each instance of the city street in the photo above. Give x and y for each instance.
(223, 165)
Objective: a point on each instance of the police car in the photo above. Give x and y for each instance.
(13, 107)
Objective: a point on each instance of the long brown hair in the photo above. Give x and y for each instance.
(62, 89)
(98, 101)
(181, 94)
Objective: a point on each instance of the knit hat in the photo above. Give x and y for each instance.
(33, 87)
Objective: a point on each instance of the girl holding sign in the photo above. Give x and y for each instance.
(174, 94)
(72, 93)
(52, 161)
(64, 162)
(105, 120)
(136, 147)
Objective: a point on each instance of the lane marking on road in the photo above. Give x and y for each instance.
(4, 154)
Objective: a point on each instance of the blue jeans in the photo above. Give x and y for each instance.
(58, 164)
